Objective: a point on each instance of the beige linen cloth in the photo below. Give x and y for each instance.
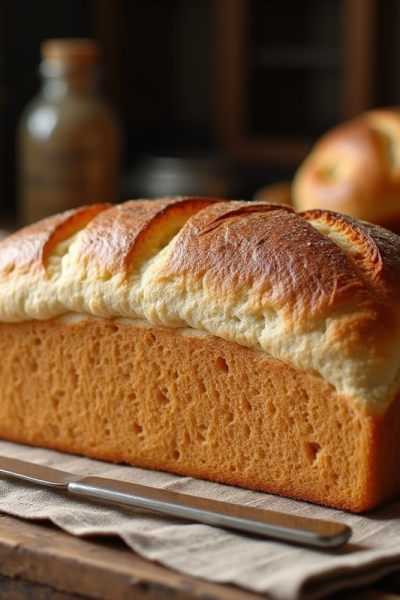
(277, 569)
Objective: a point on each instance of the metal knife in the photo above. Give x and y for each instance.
(264, 523)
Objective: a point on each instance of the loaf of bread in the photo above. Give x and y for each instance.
(279, 192)
(233, 341)
(355, 169)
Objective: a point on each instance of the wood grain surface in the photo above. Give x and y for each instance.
(38, 561)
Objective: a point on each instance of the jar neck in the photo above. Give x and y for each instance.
(59, 80)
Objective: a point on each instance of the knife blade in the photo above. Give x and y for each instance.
(260, 522)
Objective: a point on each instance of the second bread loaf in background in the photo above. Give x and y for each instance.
(355, 169)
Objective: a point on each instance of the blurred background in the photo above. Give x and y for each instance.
(212, 95)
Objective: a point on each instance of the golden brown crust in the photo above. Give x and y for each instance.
(355, 169)
(269, 250)
(29, 248)
(116, 239)
(195, 405)
(374, 250)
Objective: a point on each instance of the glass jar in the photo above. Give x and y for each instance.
(68, 145)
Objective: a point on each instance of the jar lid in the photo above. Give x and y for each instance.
(74, 51)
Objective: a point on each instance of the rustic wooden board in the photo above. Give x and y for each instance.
(42, 561)
(38, 561)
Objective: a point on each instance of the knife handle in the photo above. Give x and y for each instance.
(264, 523)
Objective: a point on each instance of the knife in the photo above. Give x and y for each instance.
(261, 522)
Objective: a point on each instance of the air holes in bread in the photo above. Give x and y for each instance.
(162, 397)
(176, 454)
(137, 428)
(312, 449)
(221, 365)
(150, 339)
(246, 405)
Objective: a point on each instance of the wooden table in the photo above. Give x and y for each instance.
(39, 561)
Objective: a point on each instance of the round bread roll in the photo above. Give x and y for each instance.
(275, 193)
(355, 169)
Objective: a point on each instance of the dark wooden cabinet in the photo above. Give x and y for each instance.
(289, 70)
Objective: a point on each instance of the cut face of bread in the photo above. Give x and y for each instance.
(190, 403)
